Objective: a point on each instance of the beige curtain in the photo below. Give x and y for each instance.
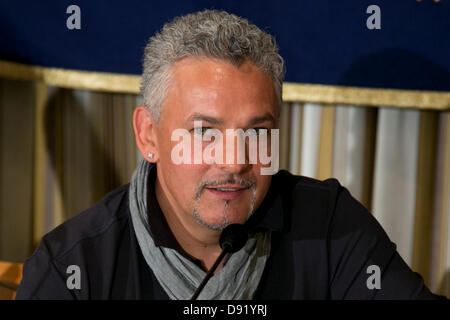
(395, 161)
(63, 149)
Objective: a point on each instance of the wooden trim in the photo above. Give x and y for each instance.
(10, 277)
(75, 79)
(6, 293)
(317, 93)
(10, 272)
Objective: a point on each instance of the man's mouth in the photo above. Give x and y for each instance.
(227, 192)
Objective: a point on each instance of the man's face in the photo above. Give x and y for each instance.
(223, 97)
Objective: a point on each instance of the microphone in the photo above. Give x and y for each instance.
(232, 239)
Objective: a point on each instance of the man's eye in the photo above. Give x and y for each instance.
(201, 130)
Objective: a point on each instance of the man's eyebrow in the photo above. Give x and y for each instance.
(201, 117)
(261, 119)
(253, 121)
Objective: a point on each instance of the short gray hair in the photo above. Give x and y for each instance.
(211, 34)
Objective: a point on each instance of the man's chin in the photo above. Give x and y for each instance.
(218, 214)
(216, 223)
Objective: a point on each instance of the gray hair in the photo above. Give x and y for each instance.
(212, 34)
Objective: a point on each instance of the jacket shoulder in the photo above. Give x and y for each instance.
(90, 223)
(293, 180)
(308, 203)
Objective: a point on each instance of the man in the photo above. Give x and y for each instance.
(204, 74)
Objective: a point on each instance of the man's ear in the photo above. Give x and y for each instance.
(144, 131)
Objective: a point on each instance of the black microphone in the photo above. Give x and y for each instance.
(232, 239)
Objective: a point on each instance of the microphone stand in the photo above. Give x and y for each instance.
(232, 239)
(210, 273)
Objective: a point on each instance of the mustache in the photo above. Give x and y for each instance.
(230, 180)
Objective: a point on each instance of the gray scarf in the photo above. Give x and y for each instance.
(238, 279)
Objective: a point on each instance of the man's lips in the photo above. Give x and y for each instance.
(227, 192)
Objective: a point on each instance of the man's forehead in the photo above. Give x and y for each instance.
(208, 86)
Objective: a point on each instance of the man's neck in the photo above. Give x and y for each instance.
(195, 239)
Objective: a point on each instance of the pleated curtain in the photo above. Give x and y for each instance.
(61, 150)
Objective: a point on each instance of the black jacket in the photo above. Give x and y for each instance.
(323, 242)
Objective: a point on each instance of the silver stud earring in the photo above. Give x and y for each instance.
(150, 155)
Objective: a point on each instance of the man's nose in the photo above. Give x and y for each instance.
(235, 168)
(236, 157)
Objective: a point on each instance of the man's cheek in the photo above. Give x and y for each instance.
(186, 182)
